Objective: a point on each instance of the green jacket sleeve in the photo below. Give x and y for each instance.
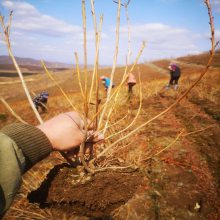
(21, 146)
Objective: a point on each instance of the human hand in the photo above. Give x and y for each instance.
(66, 131)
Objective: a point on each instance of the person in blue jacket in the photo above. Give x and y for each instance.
(106, 82)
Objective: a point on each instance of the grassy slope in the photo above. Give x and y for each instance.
(187, 173)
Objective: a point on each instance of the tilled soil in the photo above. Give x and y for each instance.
(91, 196)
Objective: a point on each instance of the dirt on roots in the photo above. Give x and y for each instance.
(92, 196)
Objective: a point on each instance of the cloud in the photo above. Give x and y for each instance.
(2, 42)
(158, 35)
(216, 4)
(30, 31)
(162, 41)
(217, 35)
(28, 18)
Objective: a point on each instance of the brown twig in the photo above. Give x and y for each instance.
(12, 111)
(115, 168)
(136, 116)
(124, 5)
(129, 34)
(114, 64)
(81, 154)
(58, 85)
(167, 147)
(95, 75)
(117, 122)
(97, 35)
(197, 131)
(86, 106)
(180, 135)
(78, 75)
(125, 72)
(9, 24)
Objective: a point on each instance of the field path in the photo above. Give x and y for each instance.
(157, 68)
(16, 82)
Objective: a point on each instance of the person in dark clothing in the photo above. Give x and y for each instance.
(175, 74)
(41, 101)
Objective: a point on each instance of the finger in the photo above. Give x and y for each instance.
(94, 137)
(69, 156)
(72, 152)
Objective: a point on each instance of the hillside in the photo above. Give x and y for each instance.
(174, 177)
(201, 59)
(34, 65)
(5, 63)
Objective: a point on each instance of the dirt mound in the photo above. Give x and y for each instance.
(91, 196)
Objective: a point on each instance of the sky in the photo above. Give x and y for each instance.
(52, 29)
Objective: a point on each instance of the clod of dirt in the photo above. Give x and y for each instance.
(93, 196)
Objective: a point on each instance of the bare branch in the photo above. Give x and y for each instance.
(114, 63)
(96, 64)
(85, 60)
(9, 25)
(58, 85)
(217, 44)
(197, 131)
(128, 2)
(136, 116)
(180, 135)
(96, 58)
(115, 168)
(124, 5)
(118, 3)
(12, 111)
(78, 75)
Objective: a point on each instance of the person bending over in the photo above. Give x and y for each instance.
(175, 74)
(106, 82)
(41, 101)
(131, 82)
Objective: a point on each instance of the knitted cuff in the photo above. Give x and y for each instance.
(31, 140)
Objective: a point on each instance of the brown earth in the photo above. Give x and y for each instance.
(93, 196)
